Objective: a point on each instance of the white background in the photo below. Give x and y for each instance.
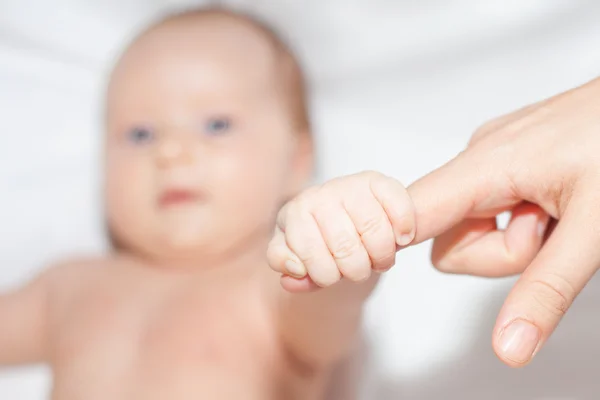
(398, 86)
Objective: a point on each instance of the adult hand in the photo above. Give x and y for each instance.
(543, 164)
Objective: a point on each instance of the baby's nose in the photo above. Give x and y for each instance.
(172, 150)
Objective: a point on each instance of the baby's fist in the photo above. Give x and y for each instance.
(347, 227)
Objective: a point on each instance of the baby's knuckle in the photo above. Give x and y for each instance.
(308, 254)
(371, 225)
(344, 247)
(303, 207)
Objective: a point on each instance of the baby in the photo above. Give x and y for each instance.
(207, 136)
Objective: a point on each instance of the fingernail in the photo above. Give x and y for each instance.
(295, 269)
(405, 239)
(542, 225)
(519, 340)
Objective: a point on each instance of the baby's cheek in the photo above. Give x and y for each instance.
(254, 188)
(128, 190)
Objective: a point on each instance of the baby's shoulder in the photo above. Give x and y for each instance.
(76, 267)
(67, 276)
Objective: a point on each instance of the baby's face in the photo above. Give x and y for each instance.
(200, 151)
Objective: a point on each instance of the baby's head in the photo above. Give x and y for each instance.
(207, 136)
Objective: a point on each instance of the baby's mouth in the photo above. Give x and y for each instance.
(174, 197)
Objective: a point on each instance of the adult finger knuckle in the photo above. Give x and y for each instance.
(502, 154)
(442, 259)
(520, 258)
(483, 131)
(443, 263)
(553, 294)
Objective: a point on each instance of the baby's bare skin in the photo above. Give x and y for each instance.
(206, 139)
(120, 329)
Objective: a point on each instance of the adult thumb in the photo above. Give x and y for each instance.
(550, 284)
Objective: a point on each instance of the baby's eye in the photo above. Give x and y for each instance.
(140, 135)
(216, 126)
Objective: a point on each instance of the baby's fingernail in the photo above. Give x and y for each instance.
(295, 269)
(404, 239)
(519, 341)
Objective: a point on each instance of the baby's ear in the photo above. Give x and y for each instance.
(302, 163)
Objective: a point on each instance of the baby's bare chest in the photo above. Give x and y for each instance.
(186, 347)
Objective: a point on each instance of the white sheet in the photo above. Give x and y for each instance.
(398, 87)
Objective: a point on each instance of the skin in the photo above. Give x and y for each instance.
(541, 163)
(188, 308)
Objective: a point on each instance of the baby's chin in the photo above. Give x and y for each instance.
(179, 246)
(186, 235)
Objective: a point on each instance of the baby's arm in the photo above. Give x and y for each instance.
(24, 323)
(322, 327)
(347, 228)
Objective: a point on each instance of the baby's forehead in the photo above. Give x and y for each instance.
(206, 56)
(227, 45)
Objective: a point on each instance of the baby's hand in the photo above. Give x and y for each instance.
(347, 228)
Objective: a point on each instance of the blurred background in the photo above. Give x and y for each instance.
(397, 86)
